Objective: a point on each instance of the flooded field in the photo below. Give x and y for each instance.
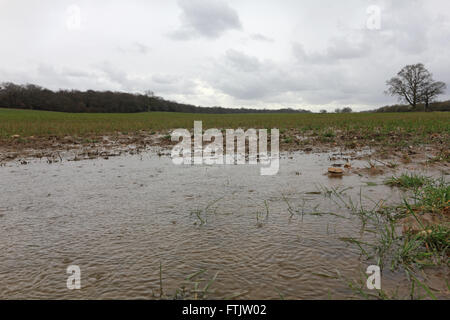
(140, 227)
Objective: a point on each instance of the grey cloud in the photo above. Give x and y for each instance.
(158, 83)
(142, 48)
(171, 83)
(260, 37)
(249, 79)
(76, 73)
(101, 76)
(400, 33)
(164, 79)
(344, 49)
(301, 55)
(241, 61)
(406, 29)
(338, 49)
(246, 77)
(135, 47)
(54, 78)
(205, 18)
(114, 74)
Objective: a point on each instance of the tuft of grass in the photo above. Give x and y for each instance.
(434, 197)
(428, 247)
(408, 181)
(202, 214)
(191, 287)
(410, 251)
(329, 134)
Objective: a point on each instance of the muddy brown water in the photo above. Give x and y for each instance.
(120, 219)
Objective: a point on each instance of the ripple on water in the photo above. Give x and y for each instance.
(120, 219)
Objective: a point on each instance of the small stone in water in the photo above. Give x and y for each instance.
(335, 170)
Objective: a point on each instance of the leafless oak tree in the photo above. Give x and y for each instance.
(431, 91)
(414, 84)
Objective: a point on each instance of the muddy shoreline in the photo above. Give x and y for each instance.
(72, 148)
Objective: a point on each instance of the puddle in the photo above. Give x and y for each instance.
(120, 219)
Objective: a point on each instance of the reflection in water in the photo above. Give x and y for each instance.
(120, 219)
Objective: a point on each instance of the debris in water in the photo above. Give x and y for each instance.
(336, 171)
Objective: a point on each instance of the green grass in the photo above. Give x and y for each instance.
(435, 197)
(430, 195)
(329, 134)
(192, 288)
(409, 252)
(373, 126)
(411, 181)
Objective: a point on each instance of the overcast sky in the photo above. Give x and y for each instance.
(317, 54)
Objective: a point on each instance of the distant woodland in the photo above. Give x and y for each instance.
(34, 97)
(433, 106)
(37, 98)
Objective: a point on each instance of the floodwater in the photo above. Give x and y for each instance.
(121, 220)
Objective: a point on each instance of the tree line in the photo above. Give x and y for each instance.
(434, 106)
(34, 97)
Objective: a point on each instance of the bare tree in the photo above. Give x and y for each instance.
(149, 94)
(347, 110)
(414, 84)
(431, 91)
